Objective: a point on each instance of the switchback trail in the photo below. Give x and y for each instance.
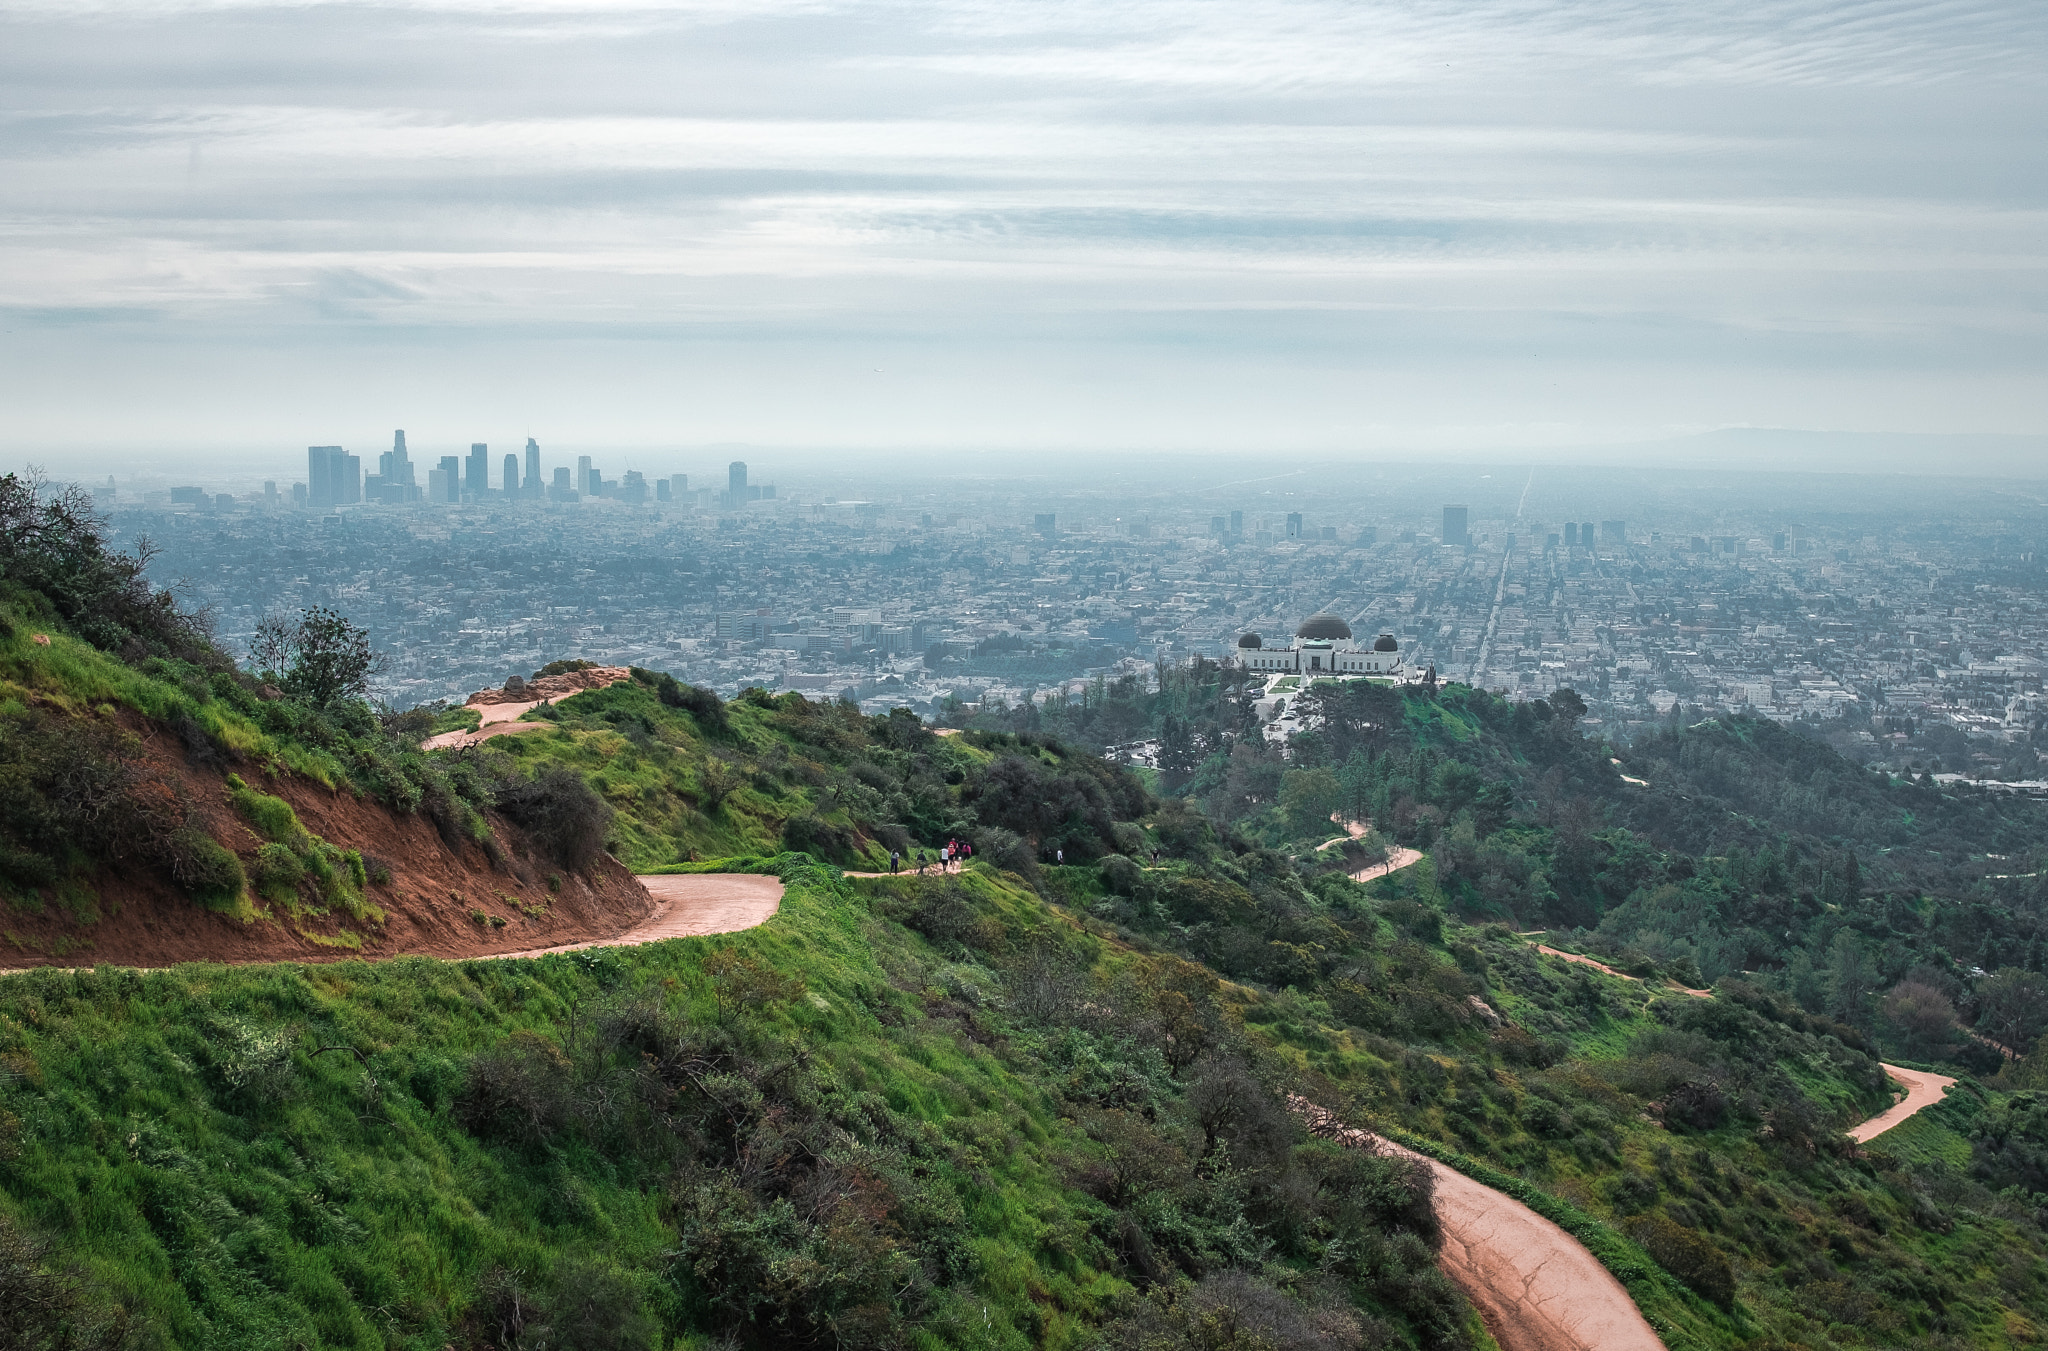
(689, 905)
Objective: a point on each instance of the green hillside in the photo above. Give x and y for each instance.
(1037, 1103)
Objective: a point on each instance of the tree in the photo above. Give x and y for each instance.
(1852, 980)
(2012, 1007)
(320, 658)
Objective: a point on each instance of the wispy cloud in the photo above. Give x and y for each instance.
(1693, 199)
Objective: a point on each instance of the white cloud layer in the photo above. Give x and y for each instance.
(1301, 224)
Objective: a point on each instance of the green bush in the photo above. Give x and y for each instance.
(561, 813)
(270, 817)
(206, 869)
(278, 874)
(1686, 1254)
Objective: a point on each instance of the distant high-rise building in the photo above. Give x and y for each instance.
(451, 479)
(299, 494)
(269, 491)
(1456, 529)
(661, 492)
(1571, 533)
(511, 476)
(187, 497)
(564, 490)
(1778, 542)
(323, 476)
(633, 487)
(1044, 523)
(1550, 541)
(1219, 525)
(476, 476)
(1585, 534)
(437, 484)
(532, 482)
(736, 480)
(1237, 523)
(679, 487)
(583, 472)
(1294, 525)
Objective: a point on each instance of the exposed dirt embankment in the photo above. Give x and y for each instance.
(441, 899)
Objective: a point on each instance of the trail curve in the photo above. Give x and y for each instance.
(1535, 1286)
(689, 905)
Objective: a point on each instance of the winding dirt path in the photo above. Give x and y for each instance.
(689, 905)
(1399, 856)
(1535, 1287)
(1922, 1090)
(501, 714)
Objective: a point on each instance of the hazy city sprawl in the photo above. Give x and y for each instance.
(1898, 618)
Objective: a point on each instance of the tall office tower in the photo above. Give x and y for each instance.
(679, 487)
(661, 493)
(269, 491)
(477, 473)
(1456, 529)
(451, 479)
(1571, 533)
(1294, 525)
(736, 480)
(633, 488)
(1586, 533)
(437, 484)
(532, 481)
(1219, 525)
(350, 485)
(511, 476)
(563, 491)
(583, 475)
(1237, 523)
(323, 476)
(394, 466)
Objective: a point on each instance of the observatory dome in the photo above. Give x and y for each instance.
(1323, 627)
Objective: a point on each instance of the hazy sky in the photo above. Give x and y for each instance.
(1309, 225)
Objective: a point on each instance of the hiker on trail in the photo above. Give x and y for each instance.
(1059, 856)
(894, 860)
(1155, 855)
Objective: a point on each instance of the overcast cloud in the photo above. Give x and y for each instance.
(1317, 225)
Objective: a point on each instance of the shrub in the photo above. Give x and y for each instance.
(207, 870)
(555, 668)
(564, 817)
(278, 873)
(256, 1061)
(700, 703)
(817, 837)
(270, 817)
(1686, 1254)
(517, 1091)
(1119, 874)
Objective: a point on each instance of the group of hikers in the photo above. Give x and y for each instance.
(952, 857)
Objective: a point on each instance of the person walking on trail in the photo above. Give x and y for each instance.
(895, 859)
(1059, 856)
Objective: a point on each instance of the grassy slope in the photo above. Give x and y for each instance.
(330, 1219)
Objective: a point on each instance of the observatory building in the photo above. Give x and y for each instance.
(1322, 645)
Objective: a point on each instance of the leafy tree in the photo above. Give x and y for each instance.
(2012, 1007)
(320, 658)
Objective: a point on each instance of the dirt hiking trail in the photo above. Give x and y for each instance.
(689, 905)
(1922, 1090)
(502, 709)
(1399, 856)
(1535, 1287)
